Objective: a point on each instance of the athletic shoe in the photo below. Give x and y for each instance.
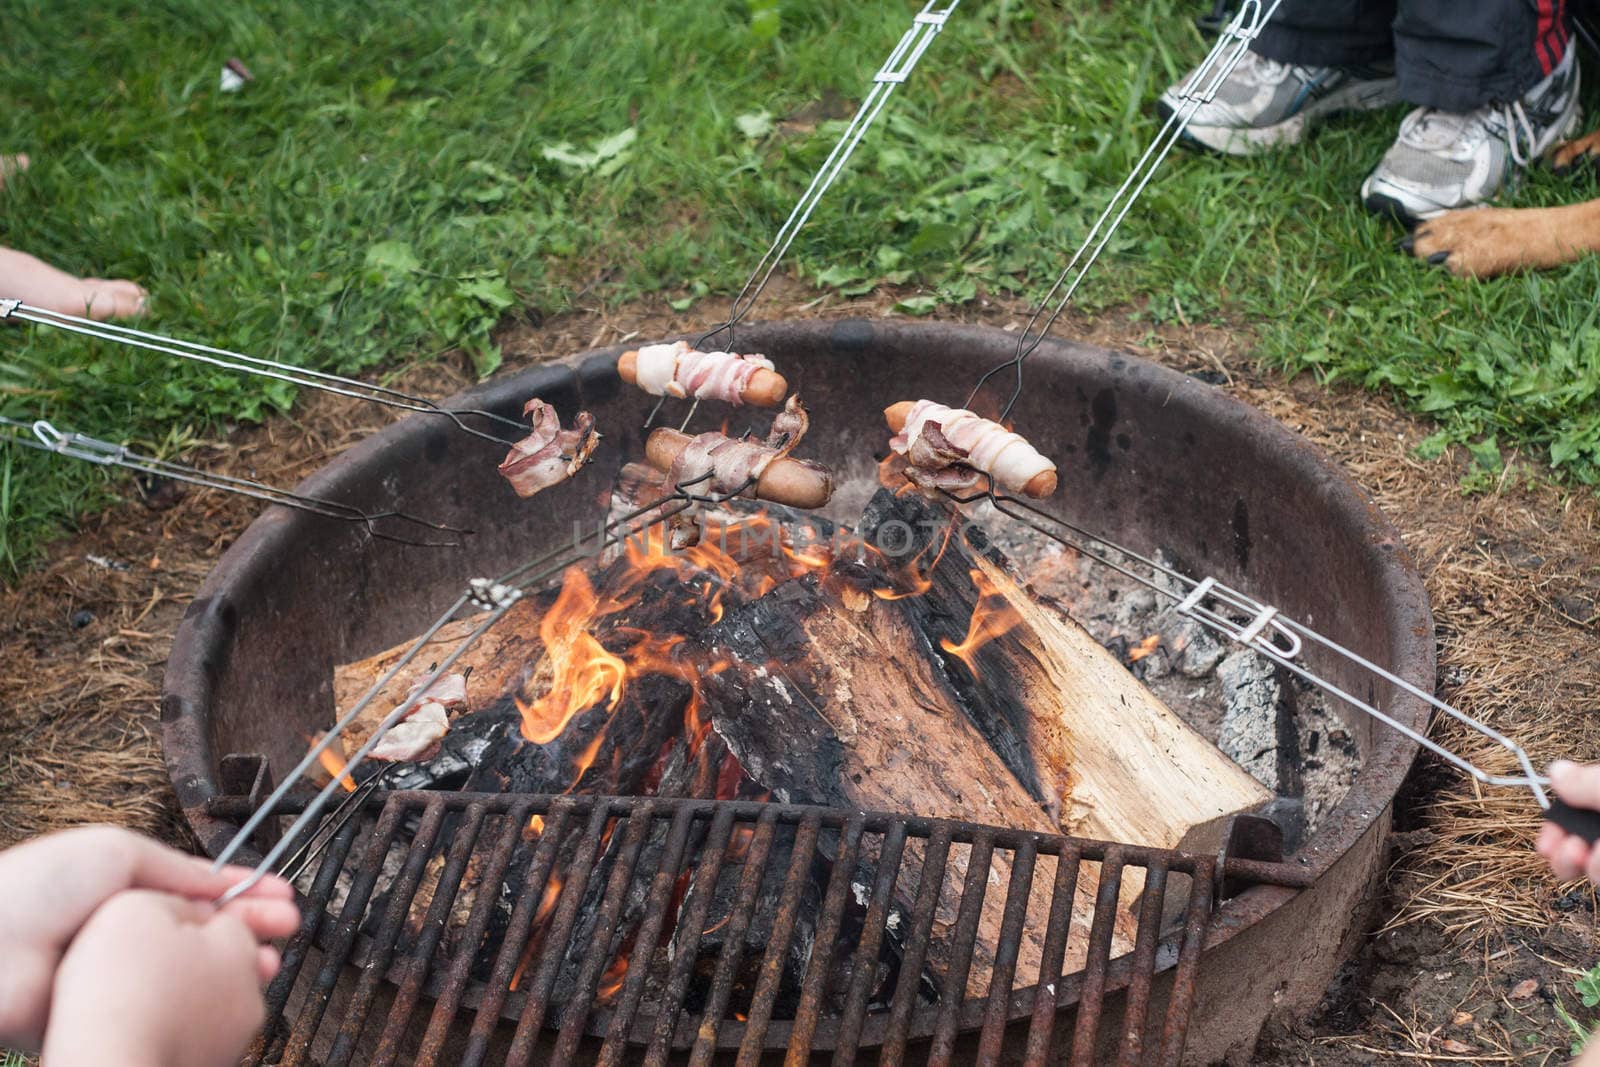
(1446, 160)
(1263, 103)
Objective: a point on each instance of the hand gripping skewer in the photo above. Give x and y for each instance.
(1264, 629)
(261, 368)
(1200, 88)
(46, 438)
(493, 596)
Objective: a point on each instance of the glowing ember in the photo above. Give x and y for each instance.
(1144, 648)
(611, 980)
(729, 775)
(992, 617)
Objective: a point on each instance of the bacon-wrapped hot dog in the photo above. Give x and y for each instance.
(716, 463)
(677, 370)
(941, 444)
(732, 462)
(549, 454)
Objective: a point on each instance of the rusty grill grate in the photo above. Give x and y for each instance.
(751, 933)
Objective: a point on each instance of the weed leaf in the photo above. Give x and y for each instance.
(393, 257)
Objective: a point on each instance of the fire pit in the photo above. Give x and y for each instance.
(1152, 460)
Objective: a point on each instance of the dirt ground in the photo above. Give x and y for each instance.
(1476, 947)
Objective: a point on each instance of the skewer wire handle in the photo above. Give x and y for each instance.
(1215, 605)
(46, 438)
(238, 362)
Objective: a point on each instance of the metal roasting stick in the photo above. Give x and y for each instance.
(316, 842)
(46, 438)
(1200, 88)
(1261, 630)
(496, 597)
(925, 26)
(261, 368)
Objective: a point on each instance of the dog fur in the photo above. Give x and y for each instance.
(1484, 242)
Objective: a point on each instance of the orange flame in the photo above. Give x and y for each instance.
(585, 758)
(992, 616)
(812, 558)
(1144, 648)
(920, 580)
(583, 672)
(332, 760)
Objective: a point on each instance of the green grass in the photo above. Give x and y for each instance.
(1587, 986)
(402, 175)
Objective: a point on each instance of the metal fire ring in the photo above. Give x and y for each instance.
(1149, 457)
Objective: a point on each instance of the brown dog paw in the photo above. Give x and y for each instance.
(1578, 150)
(1474, 243)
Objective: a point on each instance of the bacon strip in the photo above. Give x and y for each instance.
(939, 441)
(414, 737)
(417, 735)
(677, 370)
(549, 454)
(789, 426)
(732, 464)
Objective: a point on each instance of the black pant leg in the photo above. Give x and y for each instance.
(1457, 55)
(1329, 33)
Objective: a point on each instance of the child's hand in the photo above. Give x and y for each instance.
(153, 980)
(50, 886)
(1568, 854)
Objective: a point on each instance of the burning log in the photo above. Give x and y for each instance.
(496, 665)
(837, 705)
(1069, 719)
(845, 691)
(914, 675)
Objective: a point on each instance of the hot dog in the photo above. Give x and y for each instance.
(962, 439)
(677, 370)
(782, 480)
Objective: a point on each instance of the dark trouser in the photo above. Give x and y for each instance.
(1454, 55)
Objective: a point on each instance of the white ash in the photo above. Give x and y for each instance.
(1252, 702)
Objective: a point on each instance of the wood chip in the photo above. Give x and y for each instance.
(1525, 989)
(1455, 1047)
(1461, 1018)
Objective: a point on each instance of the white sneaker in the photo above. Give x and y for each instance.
(1445, 160)
(1263, 103)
